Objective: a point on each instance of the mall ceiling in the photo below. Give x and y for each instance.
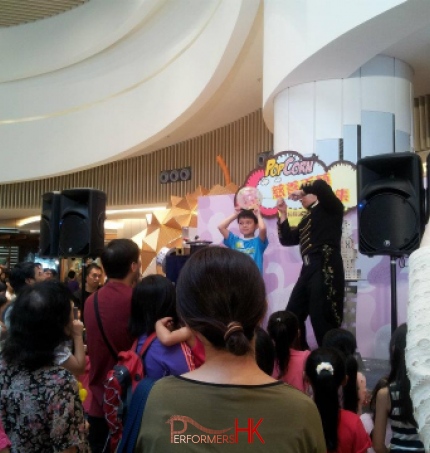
(241, 92)
(17, 12)
(415, 50)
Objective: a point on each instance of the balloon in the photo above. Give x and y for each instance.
(82, 392)
(249, 198)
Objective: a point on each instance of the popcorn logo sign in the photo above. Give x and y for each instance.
(182, 433)
(285, 172)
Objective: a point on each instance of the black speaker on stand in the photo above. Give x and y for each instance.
(82, 216)
(49, 224)
(391, 209)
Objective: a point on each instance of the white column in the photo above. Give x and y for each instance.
(368, 113)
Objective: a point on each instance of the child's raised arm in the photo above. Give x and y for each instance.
(262, 231)
(76, 362)
(223, 226)
(170, 338)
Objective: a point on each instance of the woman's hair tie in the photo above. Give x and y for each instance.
(231, 328)
(325, 366)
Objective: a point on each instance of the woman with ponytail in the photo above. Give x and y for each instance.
(229, 399)
(343, 430)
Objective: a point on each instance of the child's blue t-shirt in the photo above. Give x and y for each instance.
(253, 247)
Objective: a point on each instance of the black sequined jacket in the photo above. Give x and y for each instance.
(321, 225)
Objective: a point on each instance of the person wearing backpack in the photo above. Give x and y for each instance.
(149, 357)
(107, 333)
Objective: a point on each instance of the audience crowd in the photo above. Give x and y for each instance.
(223, 382)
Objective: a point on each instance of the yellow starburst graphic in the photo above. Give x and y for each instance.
(165, 228)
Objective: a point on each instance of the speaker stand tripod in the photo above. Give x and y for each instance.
(393, 274)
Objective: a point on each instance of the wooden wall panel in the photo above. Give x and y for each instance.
(135, 181)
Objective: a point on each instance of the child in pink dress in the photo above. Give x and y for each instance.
(283, 327)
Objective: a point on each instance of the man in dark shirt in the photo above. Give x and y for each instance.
(92, 284)
(319, 291)
(121, 263)
(22, 275)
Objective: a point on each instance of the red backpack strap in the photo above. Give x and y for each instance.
(146, 344)
(189, 357)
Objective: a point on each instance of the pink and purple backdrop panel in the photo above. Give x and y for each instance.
(282, 266)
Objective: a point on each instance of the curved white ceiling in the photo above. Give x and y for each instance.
(141, 72)
(58, 42)
(111, 79)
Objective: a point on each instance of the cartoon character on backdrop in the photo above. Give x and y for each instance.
(285, 172)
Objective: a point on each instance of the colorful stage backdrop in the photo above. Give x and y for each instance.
(368, 293)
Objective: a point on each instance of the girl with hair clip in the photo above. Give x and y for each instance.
(229, 403)
(393, 403)
(343, 430)
(354, 392)
(283, 327)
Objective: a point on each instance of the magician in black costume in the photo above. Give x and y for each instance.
(319, 291)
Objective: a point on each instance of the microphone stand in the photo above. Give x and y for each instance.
(393, 274)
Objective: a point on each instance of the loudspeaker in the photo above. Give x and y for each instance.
(164, 176)
(83, 212)
(261, 158)
(391, 204)
(174, 176)
(185, 174)
(49, 224)
(178, 174)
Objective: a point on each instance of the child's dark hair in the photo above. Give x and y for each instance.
(344, 341)
(325, 369)
(399, 375)
(247, 214)
(283, 327)
(221, 295)
(153, 298)
(264, 350)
